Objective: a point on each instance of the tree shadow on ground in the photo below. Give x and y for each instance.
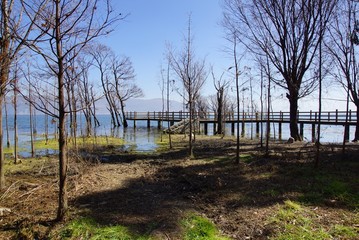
(218, 188)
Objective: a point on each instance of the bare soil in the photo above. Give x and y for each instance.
(151, 192)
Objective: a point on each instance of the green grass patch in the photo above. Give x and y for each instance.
(10, 150)
(344, 232)
(200, 228)
(246, 158)
(52, 144)
(99, 140)
(87, 228)
(27, 164)
(296, 222)
(194, 228)
(271, 193)
(326, 186)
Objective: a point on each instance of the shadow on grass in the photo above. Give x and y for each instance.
(217, 186)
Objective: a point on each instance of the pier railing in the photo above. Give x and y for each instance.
(328, 117)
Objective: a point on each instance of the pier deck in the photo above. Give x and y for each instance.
(339, 118)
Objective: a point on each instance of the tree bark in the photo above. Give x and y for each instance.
(220, 110)
(2, 170)
(4, 77)
(63, 199)
(293, 112)
(356, 136)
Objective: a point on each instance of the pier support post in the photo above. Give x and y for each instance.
(301, 126)
(257, 129)
(346, 132)
(313, 133)
(243, 132)
(159, 124)
(280, 130)
(205, 128)
(148, 123)
(232, 127)
(134, 123)
(214, 128)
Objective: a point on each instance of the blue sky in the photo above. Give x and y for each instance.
(151, 24)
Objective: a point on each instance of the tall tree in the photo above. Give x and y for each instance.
(343, 47)
(102, 56)
(221, 85)
(192, 74)
(14, 27)
(87, 96)
(62, 31)
(288, 32)
(122, 81)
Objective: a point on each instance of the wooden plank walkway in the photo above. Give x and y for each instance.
(328, 118)
(339, 118)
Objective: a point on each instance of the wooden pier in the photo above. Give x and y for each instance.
(339, 118)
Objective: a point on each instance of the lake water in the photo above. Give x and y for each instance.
(142, 138)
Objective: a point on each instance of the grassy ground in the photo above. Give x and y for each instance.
(165, 195)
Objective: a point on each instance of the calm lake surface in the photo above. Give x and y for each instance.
(142, 138)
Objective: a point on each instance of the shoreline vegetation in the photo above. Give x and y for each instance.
(115, 193)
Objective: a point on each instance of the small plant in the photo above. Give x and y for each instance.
(199, 228)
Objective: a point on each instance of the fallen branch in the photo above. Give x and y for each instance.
(8, 190)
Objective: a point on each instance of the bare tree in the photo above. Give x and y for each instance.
(123, 83)
(344, 39)
(64, 29)
(13, 28)
(87, 96)
(221, 85)
(192, 74)
(102, 56)
(288, 32)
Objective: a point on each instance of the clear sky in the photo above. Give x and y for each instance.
(152, 23)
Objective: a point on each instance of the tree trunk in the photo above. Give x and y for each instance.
(124, 120)
(293, 125)
(7, 126)
(4, 77)
(15, 122)
(2, 170)
(219, 111)
(191, 128)
(31, 126)
(356, 136)
(63, 200)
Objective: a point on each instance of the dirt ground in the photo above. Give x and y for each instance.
(151, 192)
